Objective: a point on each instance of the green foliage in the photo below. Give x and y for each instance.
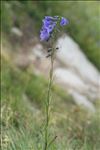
(6, 17)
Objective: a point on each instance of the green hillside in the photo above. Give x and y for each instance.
(24, 92)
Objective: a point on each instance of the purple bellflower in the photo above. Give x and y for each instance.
(44, 35)
(49, 24)
(64, 21)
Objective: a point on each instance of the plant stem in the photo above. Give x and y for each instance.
(48, 100)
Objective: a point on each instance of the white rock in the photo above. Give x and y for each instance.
(16, 31)
(72, 56)
(83, 101)
(79, 76)
(69, 78)
(37, 51)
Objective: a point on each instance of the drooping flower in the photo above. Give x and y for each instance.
(49, 24)
(44, 35)
(64, 21)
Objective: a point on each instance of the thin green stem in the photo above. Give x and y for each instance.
(48, 100)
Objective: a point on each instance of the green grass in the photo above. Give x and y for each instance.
(23, 98)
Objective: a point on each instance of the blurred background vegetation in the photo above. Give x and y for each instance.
(84, 21)
(23, 92)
